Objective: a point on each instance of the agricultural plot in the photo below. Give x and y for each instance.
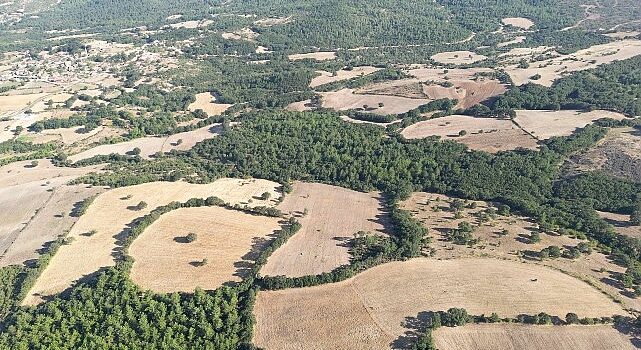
(519, 22)
(548, 70)
(228, 240)
(346, 99)
(505, 336)
(343, 74)
(485, 134)
(371, 310)
(330, 216)
(458, 57)
(546, 124)
(318, 56)
(95, 237)
(207, 102)
(151, 145)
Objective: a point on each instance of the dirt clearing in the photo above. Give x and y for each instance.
(546, 124)
(506, 336)
(151, 145)
(343, 74)
(458, 57)
(346, 99)
(485, 134)
(229, 239)
(518, 22)
(369, 311)
(330, 216)
(96, 233)
(318, 56)
(207, 102)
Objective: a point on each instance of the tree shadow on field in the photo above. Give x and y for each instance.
(625, 327)
(415, 326)
(244, 267)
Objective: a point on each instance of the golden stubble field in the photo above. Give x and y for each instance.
(334, 215)
(370, 311)
(520, 337)
(112, 213)
(229, 239)
(485, 134)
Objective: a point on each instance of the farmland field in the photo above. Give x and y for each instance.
(380, 299)
(330, 216)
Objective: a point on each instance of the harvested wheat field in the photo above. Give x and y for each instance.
(546, 124)
(229, 239)
(369, 311)
(507, 237)
(343, 74)
(346, 99)
(16, 103)
(151, 145)
(520, 337)
(560, 65)
(518, 22)
(110, 215)
(207, 102)
(619, 154)
(334, 215)
(458, 57)
(67, 136)
(485, 134)
(318, 56)
(52, 219)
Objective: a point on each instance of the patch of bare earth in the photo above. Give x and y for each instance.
(95, 236)
(207, 102)
(458, 57)
(434, 211)
(28, 195)
(151, 145)
(512, 336)
(559, 65)
(330, 216)
(229, 240)
(486, 134)
(546, 124)
(318, 56)
(370, 310)
(518, 22)
(343, 74)
(346, 99)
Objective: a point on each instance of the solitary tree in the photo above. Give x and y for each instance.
(191, 237)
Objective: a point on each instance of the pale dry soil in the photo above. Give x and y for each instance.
(372, 310)
(546, 124)
(229, 239)
(29, 196)
(318, 56)
(458, 57)
(111, 215)
(330, 77)
(560, 65)
(621, 224)
(521, 337)
(485, 134)
(519, 22)
(151, 145)
(468, 87)
(207, 102)
(346, 99)
(334, 215)
(434, 212)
